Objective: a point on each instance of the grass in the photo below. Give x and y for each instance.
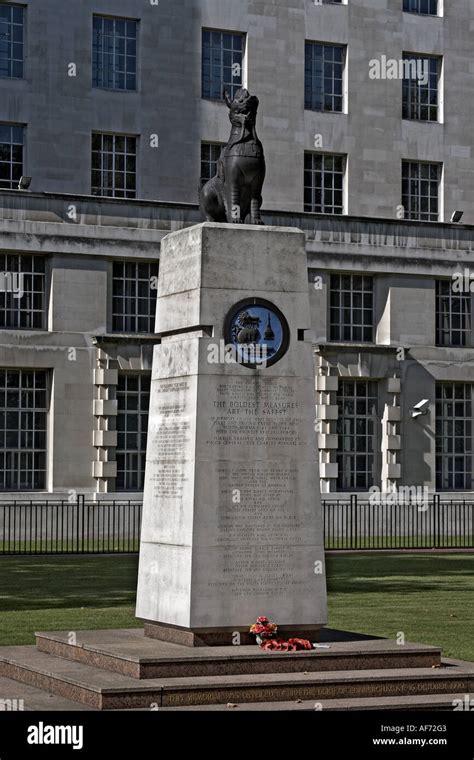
(429, 597)
(65, 592)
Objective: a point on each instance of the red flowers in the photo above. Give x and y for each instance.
(290, 645)
(265, 635)
(263, 629)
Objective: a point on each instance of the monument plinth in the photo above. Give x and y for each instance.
(232, 525)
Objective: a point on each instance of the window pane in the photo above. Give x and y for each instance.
(22, 451)
(111, 68)
(133, 393)
(133, 293)
(221, 63)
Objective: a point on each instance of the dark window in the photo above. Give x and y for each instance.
(22, 291)
(134, 297)
(453, 315)
(114, 53)
(420, 190)
(133, 397)
(420, 86)
(357, 426)
(210, 153)
(425, 7)
(351, 308)
(114, 165)
(454, 436)
(23, 429)
(11, 41)
(324, 183)
(324, 69)
(222, 60)
(11, 155)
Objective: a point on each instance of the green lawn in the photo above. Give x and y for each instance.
(430, 597)
(65, 592)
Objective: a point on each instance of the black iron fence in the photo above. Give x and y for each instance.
(108, 527)
(64, 527)
(388, 523)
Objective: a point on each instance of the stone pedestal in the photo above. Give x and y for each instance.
(232, 525)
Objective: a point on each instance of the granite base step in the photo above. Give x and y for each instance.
(103, 689)
(19, 697)
(132, 654)
(422, 702)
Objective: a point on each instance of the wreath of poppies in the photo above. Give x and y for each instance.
(265, 633)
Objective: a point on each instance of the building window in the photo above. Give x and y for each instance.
(453, 316)
(324, 70)
(23, 427)
(420, 190)
(454, 436)
(11, 155)
(210, 154)
(114, 165)
(11, 41)
(222, 60)
(133, 397)
(425, 7)
(420, 86)
(324, 183)
(356, 428)
(114, 53)
(351, 307)
(134, 297)
(22, 291)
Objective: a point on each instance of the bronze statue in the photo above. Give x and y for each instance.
(234, 195)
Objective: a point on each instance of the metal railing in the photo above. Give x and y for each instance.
(113, 526)
(433, 524)
(63, 527)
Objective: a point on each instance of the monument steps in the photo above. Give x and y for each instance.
(429, 702)
(103, 689)
(22, 697)
(132, 654)
(29, 699)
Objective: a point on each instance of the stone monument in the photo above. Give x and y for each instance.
(232, 525)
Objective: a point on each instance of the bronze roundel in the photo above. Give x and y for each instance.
(258, 333)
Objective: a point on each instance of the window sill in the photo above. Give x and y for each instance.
(423, 15)
(118, 336)
(351, 346)
(330, 113)
(113, 89)
(423, 121)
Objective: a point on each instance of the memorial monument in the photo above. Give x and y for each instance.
(232, 525)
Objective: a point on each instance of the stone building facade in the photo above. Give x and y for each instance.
(114, 112)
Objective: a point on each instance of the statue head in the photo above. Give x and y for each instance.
(243, 103)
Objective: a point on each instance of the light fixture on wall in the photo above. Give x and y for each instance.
(24, 183)
(456, 216)
(420, 408)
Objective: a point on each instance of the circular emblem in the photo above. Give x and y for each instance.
(257, 332)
